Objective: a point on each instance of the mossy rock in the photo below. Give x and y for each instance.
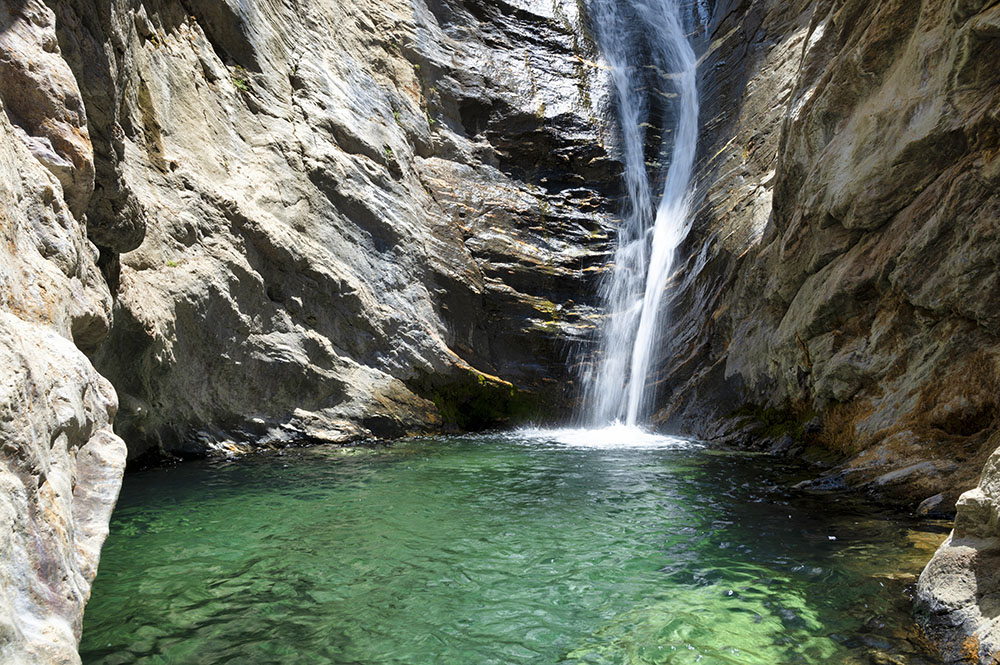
(767, 422)
(474, 401)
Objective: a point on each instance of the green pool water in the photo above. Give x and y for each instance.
(499, 549)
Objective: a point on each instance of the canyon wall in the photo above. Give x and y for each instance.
(841, 276)
(60, 462)
(839, 296)
(325, 221)
(276, 222)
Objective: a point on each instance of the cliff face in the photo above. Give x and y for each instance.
(270, 222)
(329, 220)
(841, 276)
(839, 296)
(60, 463)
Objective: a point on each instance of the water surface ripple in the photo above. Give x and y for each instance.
(495, 550)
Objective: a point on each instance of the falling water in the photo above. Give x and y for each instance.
(646, 47)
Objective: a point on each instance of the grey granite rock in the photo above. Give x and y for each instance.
(341, 230)
(957, 595)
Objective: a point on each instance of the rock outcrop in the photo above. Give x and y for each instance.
(60, 462)
(958, 594)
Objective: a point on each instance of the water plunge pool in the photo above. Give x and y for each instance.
(519, 548)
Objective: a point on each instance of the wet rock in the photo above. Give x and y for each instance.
(930, 505)
(882, 658)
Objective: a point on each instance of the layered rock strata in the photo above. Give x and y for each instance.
(356, 218)
(841, 276)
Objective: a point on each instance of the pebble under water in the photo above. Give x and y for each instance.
(500, 549)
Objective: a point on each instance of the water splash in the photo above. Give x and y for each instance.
(616, 436)
(646, 47)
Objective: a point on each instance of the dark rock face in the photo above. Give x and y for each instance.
(843, 258)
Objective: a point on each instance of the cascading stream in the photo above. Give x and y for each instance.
(646, 46)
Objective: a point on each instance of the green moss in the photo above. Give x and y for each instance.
(475, 401)
(773, 422)
(241, 79)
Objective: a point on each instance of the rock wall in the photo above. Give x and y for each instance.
(60, 463)
(839, 296)
(276, 222)
(841, 278)
(271, 222)
(331, 220)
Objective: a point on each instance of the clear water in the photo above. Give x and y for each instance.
(647, 50)
(539, 548)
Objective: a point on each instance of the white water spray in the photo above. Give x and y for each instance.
(645, 44)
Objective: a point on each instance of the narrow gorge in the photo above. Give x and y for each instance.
(765, 231)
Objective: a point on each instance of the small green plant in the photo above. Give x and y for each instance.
(173, 264)
(388, 153)
(396, 116)
(241, 79)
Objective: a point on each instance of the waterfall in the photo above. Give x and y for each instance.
(645, 45)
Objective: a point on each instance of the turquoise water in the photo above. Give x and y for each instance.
(504, 549)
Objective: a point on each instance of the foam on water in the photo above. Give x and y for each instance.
(617, 435)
